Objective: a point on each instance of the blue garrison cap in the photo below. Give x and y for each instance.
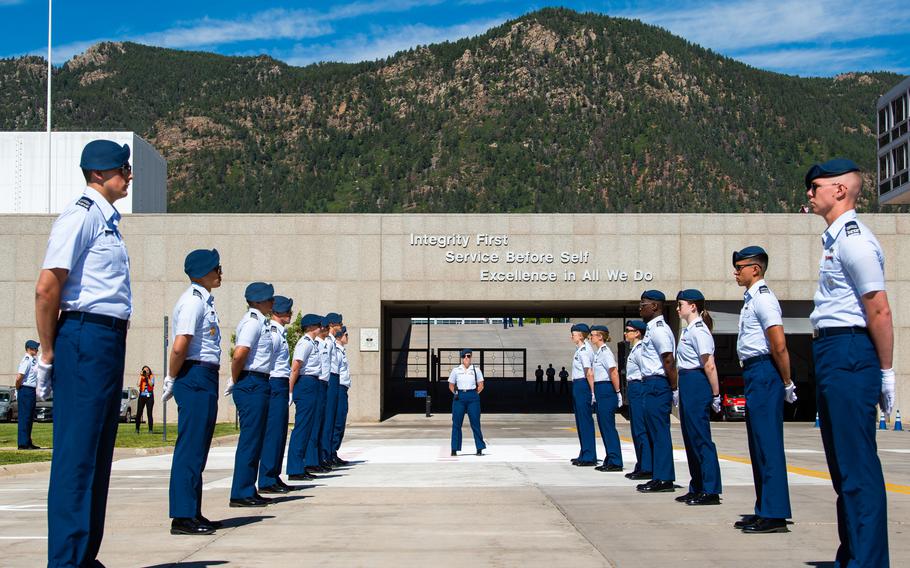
(200, 262)
(831, 168)
(32, 344)
(655, 295)
(750, 252)
(283, 305)
(332, 317)
(464, 352)
(310, 320)
(104, 155)
(601, 328)
(259, 292)
(690, 295)
(582, 327)
(340, 333)
(637, 324)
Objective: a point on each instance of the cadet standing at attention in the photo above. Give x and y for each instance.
(192, 379)
(304, 386)
(583, 395)
(313, 451)
(466, 384)
(762, 351)
(853, 349)
(26, 381)
(331, 396)
(250, 369)
(658, 369)
(634, 333)
(699, 393)
(276, 429)
(608, 395)
(83, 304)
(344, 384)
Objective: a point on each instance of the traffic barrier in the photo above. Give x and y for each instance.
(898, 427)
(881, 421)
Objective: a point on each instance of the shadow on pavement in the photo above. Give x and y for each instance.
(822, 564)
(288, 499)
(233, 522)
(191, 564)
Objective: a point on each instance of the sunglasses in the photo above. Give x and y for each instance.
(125, 170)
(737, 268)
(814, 187)
(468, 356)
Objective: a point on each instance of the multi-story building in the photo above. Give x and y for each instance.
(894, 145)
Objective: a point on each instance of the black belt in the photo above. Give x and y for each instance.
(466, 390)
(829, 331)
(108, 321)
(256, 374)
(745, 363)
(193, 363)
(279, 378)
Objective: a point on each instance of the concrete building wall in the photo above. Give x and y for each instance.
(371, 260)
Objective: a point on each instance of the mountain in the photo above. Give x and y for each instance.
(556, 111)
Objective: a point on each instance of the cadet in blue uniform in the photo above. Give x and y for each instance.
(634, 333)
(83, 304)
(699, 393)
(331, 396)
(853, 349)
(250, 369)
(26, 381)
(466, 384)
(192, 380)
(314, 463)
(583, 395)
(658, 369)
(762, 351)
(608, 396)
(305, 387)
(276, 430)
(344, 384)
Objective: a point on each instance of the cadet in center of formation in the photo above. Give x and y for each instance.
(276, 429)
(466, 384)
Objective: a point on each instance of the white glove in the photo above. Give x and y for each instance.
(229, 389)
(290, 398)
(593, 400)
(790, 392)
(619, 399)
(715, 403)
(45, 376)
(676, 397)
(886, 401)
(168, 389)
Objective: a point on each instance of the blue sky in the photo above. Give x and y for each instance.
(803, 37)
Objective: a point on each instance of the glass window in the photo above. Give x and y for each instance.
(883, 123)
(884, 169)
(4, 397)
(126, 395)
(899, 109)
(899, 155)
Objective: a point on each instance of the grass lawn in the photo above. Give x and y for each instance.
(8, 457)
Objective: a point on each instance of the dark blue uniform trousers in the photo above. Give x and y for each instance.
(341, 418)
(328, 420)
(695, 420)
(312, 449)
(584, 421)
(658, 399)
(306, 391)
(764, 393)
(276, 432)
(640, 440)
(466, 402)
(26, 397)
(848, 388)
(196, 393)
(251, 397)
(606, 421)
(87, 382)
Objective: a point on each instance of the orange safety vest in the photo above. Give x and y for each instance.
(144, 384)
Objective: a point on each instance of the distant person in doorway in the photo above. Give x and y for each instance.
(146, 396)
(608, 397)
(466, 384)
(521, 322)
(505, 323)
(563, 381)
(538, 380)
(634, 332)
(551, 379)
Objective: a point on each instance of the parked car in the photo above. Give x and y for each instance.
(734, 398)
(44, 409)
(129, 403)
(7, 394)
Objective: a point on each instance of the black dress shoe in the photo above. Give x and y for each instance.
(265, 500)
(341, 462)
(747, 520)
(202, 520)
(763, 526)
(640, 475)
(34, 447)
(278, 481)
(608, 467)
(274, 489)
(686, 497)
(479, 452)
(581, 463)
(248, 502)
(454, 453)
(574, 461)
(190, 527)
(302, 477)
(326, 465)
(704, 499)
(313, 469)
(25, 447)
(656, 486)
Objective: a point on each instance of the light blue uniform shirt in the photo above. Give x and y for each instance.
(29, 371)
(603, 362)
(694, 341)
(336, 357)
(281, 355)
(194, 314)
(307, 352)
(761, 310)
(583, 359)
(253, 332)
(85, 241)
(658, 339)
(852, 264)
(344, 370)
(466, 378)
(325, 357)
(633, 363)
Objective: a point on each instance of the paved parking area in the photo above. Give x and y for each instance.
(406, 502)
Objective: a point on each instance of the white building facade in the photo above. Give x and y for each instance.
(894, 145)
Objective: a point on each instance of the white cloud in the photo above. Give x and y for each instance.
(817, 61)
(11, 2)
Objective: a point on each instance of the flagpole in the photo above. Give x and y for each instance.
(49, 73)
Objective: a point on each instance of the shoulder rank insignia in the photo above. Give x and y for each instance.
(85, 202)
(699, 324)
(659, 324)
(764, 290)
(197, 293)
(253, 316)
(851, 228)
